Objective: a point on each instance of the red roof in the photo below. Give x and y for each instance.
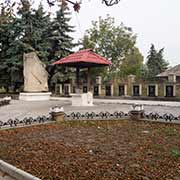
(84, 58)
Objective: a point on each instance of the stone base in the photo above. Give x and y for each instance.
(58, 116)
(85, 99)
(41, 96)
(136, 114)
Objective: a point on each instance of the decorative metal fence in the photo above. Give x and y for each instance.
(164, 117)
(88, 116)
(96, 116)
(26, 121)
(119, 115)
(4, 102)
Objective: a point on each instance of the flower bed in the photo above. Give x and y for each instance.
(95, 150)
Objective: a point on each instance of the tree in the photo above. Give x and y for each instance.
(6, 19)
(31, 30)
(24, 33)
(116, 43)
(40, 33)
(61, 42)
(155, 62)
(19, 37)
(132, 64)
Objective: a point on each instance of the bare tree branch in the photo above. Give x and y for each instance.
(110, 2)
(76, 5)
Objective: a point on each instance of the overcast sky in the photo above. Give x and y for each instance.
(154, 21)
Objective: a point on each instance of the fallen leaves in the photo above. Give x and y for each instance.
(95, 150)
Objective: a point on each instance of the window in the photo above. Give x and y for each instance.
(121, 90)
(136, 90)
(108, 90)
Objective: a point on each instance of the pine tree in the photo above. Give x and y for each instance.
(60, 40)
(40, 30)
(155, 62)
(6, 21)
(151, 61)
(31, 30)
(27, 32)
(34, 25)
(19, 39)
(163, 64)
(61, 44)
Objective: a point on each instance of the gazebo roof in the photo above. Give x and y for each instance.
(83, 59)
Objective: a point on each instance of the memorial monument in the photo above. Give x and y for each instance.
(35, 79)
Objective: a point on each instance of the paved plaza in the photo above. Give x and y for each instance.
(20, 109)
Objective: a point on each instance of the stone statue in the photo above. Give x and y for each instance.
(35, 74)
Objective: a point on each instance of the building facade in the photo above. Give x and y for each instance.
(166, 85)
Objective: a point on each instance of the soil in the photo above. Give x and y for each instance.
(123, 150)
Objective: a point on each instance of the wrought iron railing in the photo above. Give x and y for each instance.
(96, 116)
(26, 121)
(4, 102)
(88, 116)
(118, 115)
(164, 117)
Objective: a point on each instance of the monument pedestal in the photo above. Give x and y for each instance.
(85, 99)
(36, 96)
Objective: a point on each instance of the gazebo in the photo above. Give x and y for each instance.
(83, 59)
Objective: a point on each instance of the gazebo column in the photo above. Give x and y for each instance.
(89, 79)
(77, 80)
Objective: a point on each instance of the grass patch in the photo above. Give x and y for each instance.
(175, 153)
(171, 131)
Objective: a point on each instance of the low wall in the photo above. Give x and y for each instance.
(9, 172)
(140, 98)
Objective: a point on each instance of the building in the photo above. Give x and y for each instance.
(166, 85)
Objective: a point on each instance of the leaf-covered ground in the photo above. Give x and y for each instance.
(95, 150)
